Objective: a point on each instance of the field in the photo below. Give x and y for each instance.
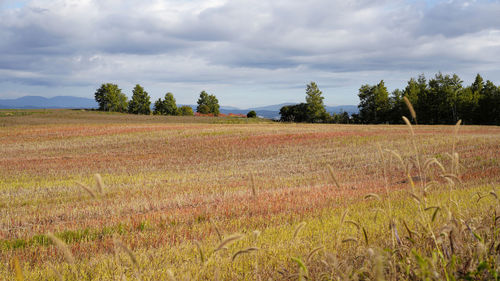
(203, 198)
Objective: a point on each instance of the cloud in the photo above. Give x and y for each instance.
(238, 47)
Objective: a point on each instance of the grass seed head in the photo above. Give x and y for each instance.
(228, 241)
(87, 189)
(100, 183)
(297, 230)
(410, 107)
(68, 256)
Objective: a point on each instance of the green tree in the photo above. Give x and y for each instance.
(295, 113)
(203, 109)
(340, 118)
(210, 101)
(374, 103)
(315, 108)
(398, 108)
(252, 114)
(167, 106)
(489, 105)
(110, 98)
(442, 99)
(140, 103)
(158, 108)
(213, 104)
(186, 111)
(202, 100)
(468, 103)
(413, 91)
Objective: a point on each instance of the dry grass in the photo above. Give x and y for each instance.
(324, 200)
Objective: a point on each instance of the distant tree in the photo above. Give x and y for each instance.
(202, 100)
(295, 113)
(186, 111)
(340, 118)
(167, 106)
(414, 89)
(315, 108)
(158, 108)
(252, 114)
(209, 101)
(110, 98)
(398, 108)
(489, 104)
(468, 102)
(374, 103)
(441, 102)
(140, 103)
(203, 109)
(213, 104)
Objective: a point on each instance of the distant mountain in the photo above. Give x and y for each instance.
(269, 111)
(41, 102)
(273, 111)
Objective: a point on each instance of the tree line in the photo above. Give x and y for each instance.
(442, 99)
(110, 98)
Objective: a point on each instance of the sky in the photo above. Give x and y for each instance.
(246, 52)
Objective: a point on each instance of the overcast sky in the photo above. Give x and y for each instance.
(246, 52)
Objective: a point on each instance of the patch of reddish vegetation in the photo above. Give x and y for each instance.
(59, 132)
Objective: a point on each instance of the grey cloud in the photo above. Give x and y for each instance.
(455, 18)
(279, 44)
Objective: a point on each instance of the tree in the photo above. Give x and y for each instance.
(340, 118)
(166, 106)
(398, 108)
(489, 104)
(158, 107)
(374, 103)
(110, 98)
(169, 105)
(210, 101)
(468, 103)
(186, 111)
(213, 104)
(203, 109)
(203, 100)
(414, 89)
(442, 99)
(315, 108)
(140, 103)
(252, 114)
(295, 113)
